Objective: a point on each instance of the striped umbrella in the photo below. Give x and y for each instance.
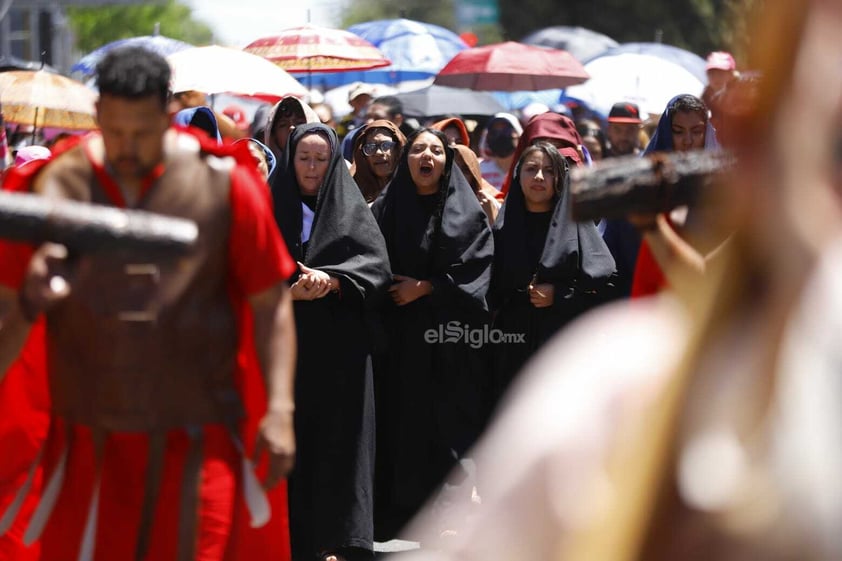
(318, 49)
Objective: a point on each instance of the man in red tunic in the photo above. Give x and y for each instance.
(143, 458)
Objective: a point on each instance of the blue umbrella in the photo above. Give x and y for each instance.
(160, 44)
(519, 99)
(417, 51)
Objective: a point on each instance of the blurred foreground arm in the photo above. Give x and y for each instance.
(48, 280)
(275, 342)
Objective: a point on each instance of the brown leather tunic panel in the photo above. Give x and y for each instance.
(148, 341)
(680, 532)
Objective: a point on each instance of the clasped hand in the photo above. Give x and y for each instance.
(541, 295)
(312, 284)
(408, 289)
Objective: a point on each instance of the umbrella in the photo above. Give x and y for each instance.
(9, 62)
(512, 66)
(159, 44)
(337, 97)
(417, 51)
(689, 61)
(584, 44)
(309, 48)
(43, 99)
(217, 69)
(442, 100)
(513, 101)
(646, 80)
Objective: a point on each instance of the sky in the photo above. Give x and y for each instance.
(237, 23)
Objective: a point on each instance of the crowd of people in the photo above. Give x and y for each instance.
(361, 297)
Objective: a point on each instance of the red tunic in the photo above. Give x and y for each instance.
(257, 260)
(24, 400)
(648, 277)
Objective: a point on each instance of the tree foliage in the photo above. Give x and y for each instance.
(94, 27)
(700, 26)
(438, 12)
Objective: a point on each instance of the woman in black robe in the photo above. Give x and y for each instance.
(377, 148)
(430, 382)
(343, 277)
(548, 269)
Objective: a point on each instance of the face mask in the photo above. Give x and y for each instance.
(501, 145)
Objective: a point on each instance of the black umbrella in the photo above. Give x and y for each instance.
(441, 100)
(582, 43)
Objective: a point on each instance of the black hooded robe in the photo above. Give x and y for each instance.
(331, 487)
(542, 248)
(429, 392)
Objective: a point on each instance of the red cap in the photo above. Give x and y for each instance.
(625, 112)
(238, 115)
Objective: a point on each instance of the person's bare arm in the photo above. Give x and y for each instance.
(670, 249)
(47, 282)
(275, 341)
(674, 255)
(14, 328)
(227, 127)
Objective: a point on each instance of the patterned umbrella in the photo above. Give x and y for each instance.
(512, 67)
(160, 44)
(318, 49)
(42, 99)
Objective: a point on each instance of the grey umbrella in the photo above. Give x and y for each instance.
(9, 62)
(582, 43)
(442, 100)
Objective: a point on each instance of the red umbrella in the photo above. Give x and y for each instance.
(512, 67)
(318, 49)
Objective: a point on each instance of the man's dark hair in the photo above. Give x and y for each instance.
(395, 107)
(134, 73)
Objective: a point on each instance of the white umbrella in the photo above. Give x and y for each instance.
(217, 69)
(646, 80)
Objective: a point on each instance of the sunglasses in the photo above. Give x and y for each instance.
(371, 148)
